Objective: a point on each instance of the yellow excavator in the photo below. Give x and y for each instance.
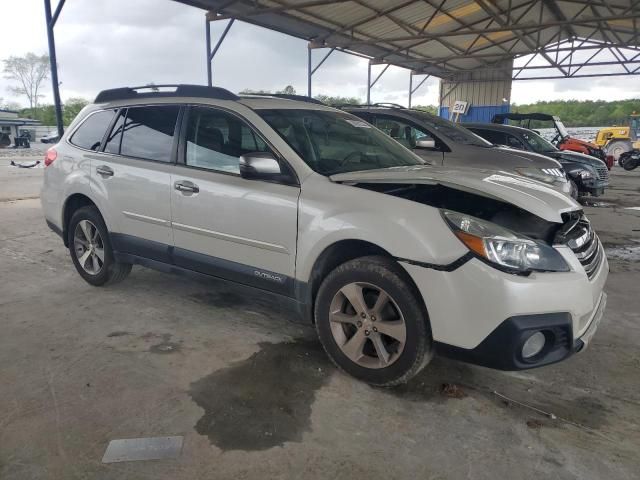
(617, 141)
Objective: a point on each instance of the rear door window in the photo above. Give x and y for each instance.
(514, 142)
(497, 138)
(403, 132)
(149, 132)
(91, 132)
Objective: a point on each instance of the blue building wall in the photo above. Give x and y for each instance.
(481, 114)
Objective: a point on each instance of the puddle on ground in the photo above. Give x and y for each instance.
(584, 411)
(271, 306)
(118, 333)
(165, 347)
(265, 400)
(591, 203)
(625, 253)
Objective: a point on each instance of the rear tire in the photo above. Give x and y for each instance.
(91, 251)
(628, 162)
(372, 323)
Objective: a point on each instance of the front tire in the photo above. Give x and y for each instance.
(90, 249)
(372, 323)
(617, 148)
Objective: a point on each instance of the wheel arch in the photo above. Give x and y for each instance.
(71, 204)
(334, 255)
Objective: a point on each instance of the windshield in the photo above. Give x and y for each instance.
(537, 143)
(336, 142)
(450, 130)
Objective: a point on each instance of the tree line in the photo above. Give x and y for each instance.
(585, 113)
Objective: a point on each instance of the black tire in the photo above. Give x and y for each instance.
(620, 147)
(111, 270)
(389, 276)
(629, 163)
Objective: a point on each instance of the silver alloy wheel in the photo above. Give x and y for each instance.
(88, 247)
(367, 325)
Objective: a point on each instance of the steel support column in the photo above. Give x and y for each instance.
(212, 53)
(371, 84)
(413, 90)
(51, 19)
(207, 34)
(311, 71)
(368, 83)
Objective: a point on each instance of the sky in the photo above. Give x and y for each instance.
(107, 43)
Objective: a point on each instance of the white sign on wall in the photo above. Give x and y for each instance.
(460, 107)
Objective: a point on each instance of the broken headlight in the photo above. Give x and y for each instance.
(503, 248)
(546, 175)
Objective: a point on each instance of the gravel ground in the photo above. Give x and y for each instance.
(35, 151)
(254, 396)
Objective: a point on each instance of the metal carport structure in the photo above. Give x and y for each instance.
(455, 40)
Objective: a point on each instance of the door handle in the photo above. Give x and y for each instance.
(104, 171)
(186, 186)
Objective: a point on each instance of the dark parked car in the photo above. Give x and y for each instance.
(444, 143)
(51, 137)
(589, 174)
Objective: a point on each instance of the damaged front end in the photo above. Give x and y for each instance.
(510, 222)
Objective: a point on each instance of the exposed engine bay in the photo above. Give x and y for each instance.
(501, 213)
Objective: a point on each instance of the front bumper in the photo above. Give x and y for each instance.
(482, 315)
(594, 188)
(502, 348)
(591, 186)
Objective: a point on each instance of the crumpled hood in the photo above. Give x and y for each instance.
(578, 157)
(536, 160)
(530, 195)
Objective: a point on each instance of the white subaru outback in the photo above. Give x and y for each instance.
(392, 259)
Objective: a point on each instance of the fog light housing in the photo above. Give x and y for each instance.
(534, 345)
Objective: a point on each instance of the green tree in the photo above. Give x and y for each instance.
(71, 109)
(249, 91)
(337, 101)
(288, 90)
(432, 109)
(28, 72)
(588, 113)
(47, 114)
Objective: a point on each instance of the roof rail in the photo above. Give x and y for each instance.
(289, 96)
(154, 91)
(364, 105)
(387, 104)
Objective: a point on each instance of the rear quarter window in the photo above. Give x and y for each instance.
(90, 133)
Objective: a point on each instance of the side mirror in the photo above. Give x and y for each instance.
(260, 166)
(426, 143)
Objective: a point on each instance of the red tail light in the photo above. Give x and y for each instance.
(50, 156)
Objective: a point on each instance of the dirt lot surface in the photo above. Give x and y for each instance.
(254, 396)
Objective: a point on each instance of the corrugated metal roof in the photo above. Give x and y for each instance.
(446, 37)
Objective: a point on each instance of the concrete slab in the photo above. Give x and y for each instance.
(254, 396)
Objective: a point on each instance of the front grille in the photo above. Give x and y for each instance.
(583, 241)
(603, 172)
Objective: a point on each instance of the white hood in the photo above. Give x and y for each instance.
(530, 195)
